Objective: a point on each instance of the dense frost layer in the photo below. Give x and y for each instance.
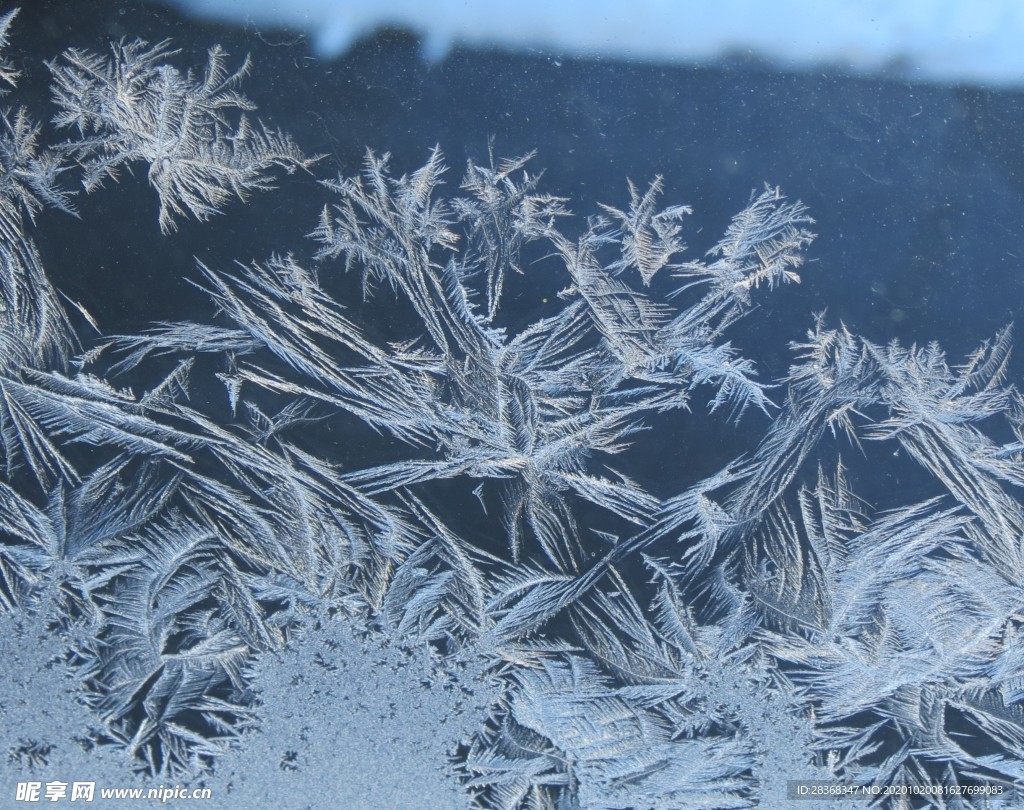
(958, 41)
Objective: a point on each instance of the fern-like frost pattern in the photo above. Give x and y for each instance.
(584, 639)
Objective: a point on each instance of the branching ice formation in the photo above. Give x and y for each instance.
(612, 647)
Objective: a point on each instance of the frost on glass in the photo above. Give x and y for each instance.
(202, 598)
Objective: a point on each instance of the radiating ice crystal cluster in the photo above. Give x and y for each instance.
(485, 599)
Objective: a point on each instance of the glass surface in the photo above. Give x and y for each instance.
(351, 461)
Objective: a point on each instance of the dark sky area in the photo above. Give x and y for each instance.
(917, 190)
